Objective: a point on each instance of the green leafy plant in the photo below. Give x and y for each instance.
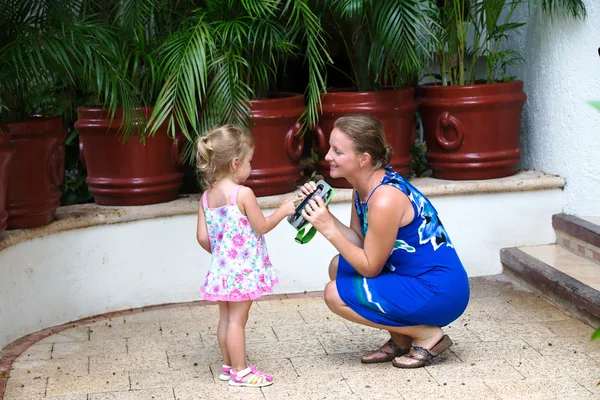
(388, 43)
(224, 53)
(47, 50)
(470, 30)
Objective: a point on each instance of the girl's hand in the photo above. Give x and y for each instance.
(318, 215)
(288, 207)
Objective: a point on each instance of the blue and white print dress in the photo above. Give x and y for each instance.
(423, 281)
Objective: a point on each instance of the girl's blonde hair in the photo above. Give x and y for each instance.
(367, 135)
(217, 148)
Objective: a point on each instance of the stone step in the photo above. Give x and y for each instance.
(570, 281)
(580, 235)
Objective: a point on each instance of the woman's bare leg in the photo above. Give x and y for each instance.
(422, 335)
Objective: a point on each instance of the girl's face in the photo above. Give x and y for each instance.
(342, 157)
(243, 170)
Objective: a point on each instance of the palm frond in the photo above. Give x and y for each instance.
(306, 24)
(186, 56)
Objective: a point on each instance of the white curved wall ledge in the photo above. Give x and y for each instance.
(87, 215)
(93, 259)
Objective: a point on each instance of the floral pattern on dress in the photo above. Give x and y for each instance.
(241, 268)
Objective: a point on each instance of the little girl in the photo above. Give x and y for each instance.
(231, 227)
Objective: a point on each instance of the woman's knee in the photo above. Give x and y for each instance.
(333, 267)
(331, 296)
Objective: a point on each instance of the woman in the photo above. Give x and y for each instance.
(397, 269)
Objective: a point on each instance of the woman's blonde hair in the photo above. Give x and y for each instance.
(367, 136)
(216, 150)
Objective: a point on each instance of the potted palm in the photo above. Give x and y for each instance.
(221, 65)
(387, 46)
(125, 164)
(472, 125)
(41, 41)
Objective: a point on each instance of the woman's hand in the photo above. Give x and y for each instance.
(318, 215)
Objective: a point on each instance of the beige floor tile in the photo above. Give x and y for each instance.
(204, 357)
(220, 391)
(488, 370)
(468, 390)
(116, 329)
(589, 378)
(126, 362)
(180, 343)
(79, 384)
(162, 314)
(304, 304)
(335, 344)
(76, 334)
(257, 334)
(298, 332)
(555, 366)
(274, 318)
(326, 385)
(68, 397)
(151, 394)
(265, 351)
(38, 351)
(193, 326)
(171, 377)
(569, 328)
(493, 331)
(206, 311)
(312, 317)
(346, 362)
(509, 350)
(542, 389)
(569, 347)
(54, 367)
(89, 348)
(25, 386)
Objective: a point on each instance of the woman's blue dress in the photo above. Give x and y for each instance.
(423, 281)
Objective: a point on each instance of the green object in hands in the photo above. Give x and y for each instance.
(305, 230)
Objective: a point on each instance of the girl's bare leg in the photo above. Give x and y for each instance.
(222, 330)
(236, 335)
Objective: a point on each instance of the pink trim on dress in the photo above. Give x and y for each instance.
(244, 297)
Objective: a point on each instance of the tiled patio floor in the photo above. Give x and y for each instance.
(510, 344)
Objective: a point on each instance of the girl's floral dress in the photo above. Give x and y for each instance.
(241, 269)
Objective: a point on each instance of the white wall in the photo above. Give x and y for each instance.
(561, 132)
(69, 275)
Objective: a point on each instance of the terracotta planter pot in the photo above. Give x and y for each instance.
(36, 171)
(395, 109)
(130, 173)
(6, 153)
(275, 167)
(472, 132)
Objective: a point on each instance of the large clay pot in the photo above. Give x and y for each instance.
(395, 109)
(275, 166)
(127, 173)
(36, 171)
(472, 132)
(6, 153)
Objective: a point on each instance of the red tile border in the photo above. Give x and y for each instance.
(14, 349)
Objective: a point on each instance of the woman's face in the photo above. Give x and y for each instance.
(342, 157)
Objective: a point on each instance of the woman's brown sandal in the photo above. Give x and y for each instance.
(385, 355)
(424, 356)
